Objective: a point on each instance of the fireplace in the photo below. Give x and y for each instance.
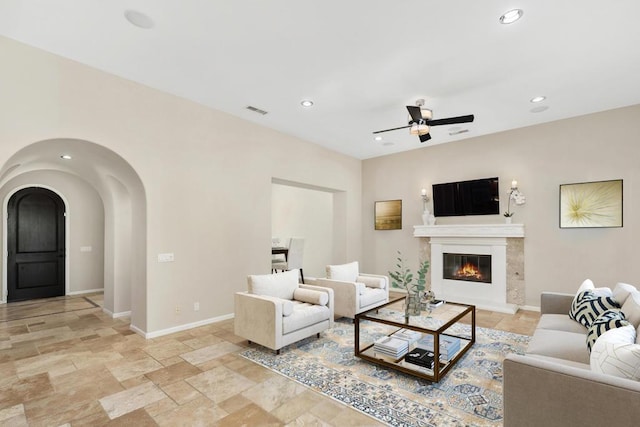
(466, 267)
(498, 241)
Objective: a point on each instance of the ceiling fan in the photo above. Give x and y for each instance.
(420, 121)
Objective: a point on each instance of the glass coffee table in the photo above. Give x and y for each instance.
(385, 336)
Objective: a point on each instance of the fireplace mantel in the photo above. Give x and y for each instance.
(469, 230)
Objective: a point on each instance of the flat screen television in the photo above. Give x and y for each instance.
(476, 197)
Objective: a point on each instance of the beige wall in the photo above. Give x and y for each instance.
(590, 148)
(85, 225)
(207, 177)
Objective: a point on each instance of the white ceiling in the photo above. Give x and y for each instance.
(360, 61)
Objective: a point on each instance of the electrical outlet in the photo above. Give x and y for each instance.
(196, 306)
(168, 257)
(177, 309)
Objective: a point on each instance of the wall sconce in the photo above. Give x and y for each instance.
(425, 199)
(427, 218)
(516, 196)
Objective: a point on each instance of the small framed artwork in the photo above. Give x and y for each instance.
(591, 204)
(388, 215)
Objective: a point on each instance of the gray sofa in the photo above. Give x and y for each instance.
(553, 384)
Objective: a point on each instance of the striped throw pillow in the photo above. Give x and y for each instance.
(608, 320)
(588, 306)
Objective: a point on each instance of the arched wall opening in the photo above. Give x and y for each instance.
(104, 195)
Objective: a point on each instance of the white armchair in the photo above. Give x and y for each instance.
(277, 311)
(355, 292)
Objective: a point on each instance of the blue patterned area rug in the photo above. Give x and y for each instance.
(469, 395)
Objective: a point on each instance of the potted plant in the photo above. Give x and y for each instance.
(403, 278)
(517, 197)
(507, 216)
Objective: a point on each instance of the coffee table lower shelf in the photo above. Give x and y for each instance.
(399, 364)
(432, 326)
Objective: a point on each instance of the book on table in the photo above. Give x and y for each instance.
(407, 335)
(436, 303)
(449, 346)
(390, 346)
(421, 357)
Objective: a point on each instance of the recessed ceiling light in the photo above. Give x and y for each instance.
(536, 99)
(306, 103)
(378, 138)
(539, 109)
(511, 16)
(66, 157)
(139, 19)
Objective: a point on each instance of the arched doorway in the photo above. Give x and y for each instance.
(114, 186)
(35, 245)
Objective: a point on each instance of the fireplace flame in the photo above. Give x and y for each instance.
(469, 271)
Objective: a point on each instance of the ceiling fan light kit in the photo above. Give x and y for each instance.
(419, 129)
(420, 121)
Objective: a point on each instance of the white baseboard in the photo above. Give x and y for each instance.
(121, 314)
(529, 308)
(88, 291)
(162, 332)
(117, 315)
(137, 330)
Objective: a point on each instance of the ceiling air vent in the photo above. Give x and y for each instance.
(256, 110)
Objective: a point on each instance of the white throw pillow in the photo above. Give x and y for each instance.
(311, 296)
(631, 308)
(587, 285)
(615, 353)
(603, 292)
(372, 282)
(280, 285)
(622, 291)
(345, 272)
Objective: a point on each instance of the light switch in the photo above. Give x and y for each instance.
(86, 248)
(168, 257)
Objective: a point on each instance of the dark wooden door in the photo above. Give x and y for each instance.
(36, 247)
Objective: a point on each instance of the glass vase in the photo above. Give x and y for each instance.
(412, 305)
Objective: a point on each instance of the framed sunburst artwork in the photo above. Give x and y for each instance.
(591, 204)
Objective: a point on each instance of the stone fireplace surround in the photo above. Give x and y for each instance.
(505, 244)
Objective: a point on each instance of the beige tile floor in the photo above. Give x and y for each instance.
(63, 362)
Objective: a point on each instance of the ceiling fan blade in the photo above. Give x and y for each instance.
(425, 137)
(415, 113)
(387, 130)
(450, 120)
